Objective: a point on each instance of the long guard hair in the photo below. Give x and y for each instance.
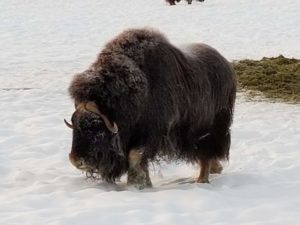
(173, 103)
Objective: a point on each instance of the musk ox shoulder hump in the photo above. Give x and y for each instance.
(133, 43)
(143, 38)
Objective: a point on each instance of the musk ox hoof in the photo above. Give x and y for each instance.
(203, 180)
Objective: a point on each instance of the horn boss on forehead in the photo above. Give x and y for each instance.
(92, 107)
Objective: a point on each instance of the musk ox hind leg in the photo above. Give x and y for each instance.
(204, 171)
(208, 166)
(216, 146)
(138, 174)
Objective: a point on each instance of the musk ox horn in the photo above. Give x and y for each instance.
(68, 124)
(92, 107)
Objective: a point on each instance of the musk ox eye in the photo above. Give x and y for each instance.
(95, 123)
(102, 134)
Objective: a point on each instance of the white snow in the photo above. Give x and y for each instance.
(43, 43)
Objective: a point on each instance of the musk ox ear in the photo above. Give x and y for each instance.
(92, 107)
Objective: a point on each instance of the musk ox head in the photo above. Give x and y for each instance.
(96, 147)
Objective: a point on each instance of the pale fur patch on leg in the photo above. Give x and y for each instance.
(135, 157)
(137, 175)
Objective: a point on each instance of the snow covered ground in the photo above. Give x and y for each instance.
(43, 43)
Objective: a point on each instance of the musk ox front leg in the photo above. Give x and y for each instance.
(138, 174)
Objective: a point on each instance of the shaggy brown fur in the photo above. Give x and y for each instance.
(168, 102)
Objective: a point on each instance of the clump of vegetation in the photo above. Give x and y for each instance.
(276, 78)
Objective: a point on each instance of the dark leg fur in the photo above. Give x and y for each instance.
(220, 136)
(216, 146)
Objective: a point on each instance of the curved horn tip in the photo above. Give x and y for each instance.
(68, 124)
(114, 129)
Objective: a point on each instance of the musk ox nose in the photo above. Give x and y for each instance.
(77, 162)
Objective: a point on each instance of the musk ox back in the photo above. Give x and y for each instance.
(143, 98)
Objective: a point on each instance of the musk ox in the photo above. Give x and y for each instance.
(144, 99)
(172, 2)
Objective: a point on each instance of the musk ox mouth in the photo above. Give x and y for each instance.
(108, 167)
(84, 168)
(91, 172)
(81, 164)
